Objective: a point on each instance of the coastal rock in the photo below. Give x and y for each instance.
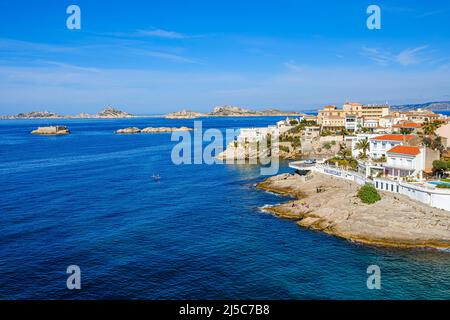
(237, 151)
(129, 130)
(51, 131)
(164, 129)
(330, 205)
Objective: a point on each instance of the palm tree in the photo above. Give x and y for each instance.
(364, 146)
(344, 152)
(344, 132)
(429, 128)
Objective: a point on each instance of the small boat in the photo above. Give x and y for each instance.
(156, 177)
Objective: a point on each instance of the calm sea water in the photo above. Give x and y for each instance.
(88, 199)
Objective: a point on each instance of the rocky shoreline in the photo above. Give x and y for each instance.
(330, 205)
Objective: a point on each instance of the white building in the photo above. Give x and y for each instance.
(370, 123)
(405, 161)
(351, 123)
(247, 135)
(380, 145)
(311, 131)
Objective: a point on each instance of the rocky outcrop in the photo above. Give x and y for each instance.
(51, 131)
(152, 130)
(330, 205)
(164, 129)
(129, 130)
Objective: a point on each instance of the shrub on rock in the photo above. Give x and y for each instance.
(368, 194)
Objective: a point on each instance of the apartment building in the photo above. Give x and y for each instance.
(421, 116)
(332, 118)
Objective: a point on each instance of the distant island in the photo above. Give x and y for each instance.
(230, 111)
(219, 111)
(184, 114)
(107, 113)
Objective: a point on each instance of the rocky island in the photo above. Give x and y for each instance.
(329, 204)
(184, 114)
(230, 111)
(107, 113)
(133, 130)
(233, 111)
(34, 115)
(51, 131)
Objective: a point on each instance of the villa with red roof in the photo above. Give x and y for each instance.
(405, 161)
(380, 145)
(409, 161)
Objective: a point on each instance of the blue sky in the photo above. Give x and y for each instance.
(150, 57)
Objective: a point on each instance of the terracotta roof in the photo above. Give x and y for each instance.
(413, 151)
(408, 125)
(394, 137)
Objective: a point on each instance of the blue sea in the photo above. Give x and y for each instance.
(88, 199)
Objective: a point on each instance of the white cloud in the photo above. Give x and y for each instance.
(411, 56)
(406, 57)
(291, 65)
(378, 55)
(160, 33)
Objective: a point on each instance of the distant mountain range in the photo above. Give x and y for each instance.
(437, 106)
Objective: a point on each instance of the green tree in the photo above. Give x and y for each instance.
(440, 166)
(344, 152)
